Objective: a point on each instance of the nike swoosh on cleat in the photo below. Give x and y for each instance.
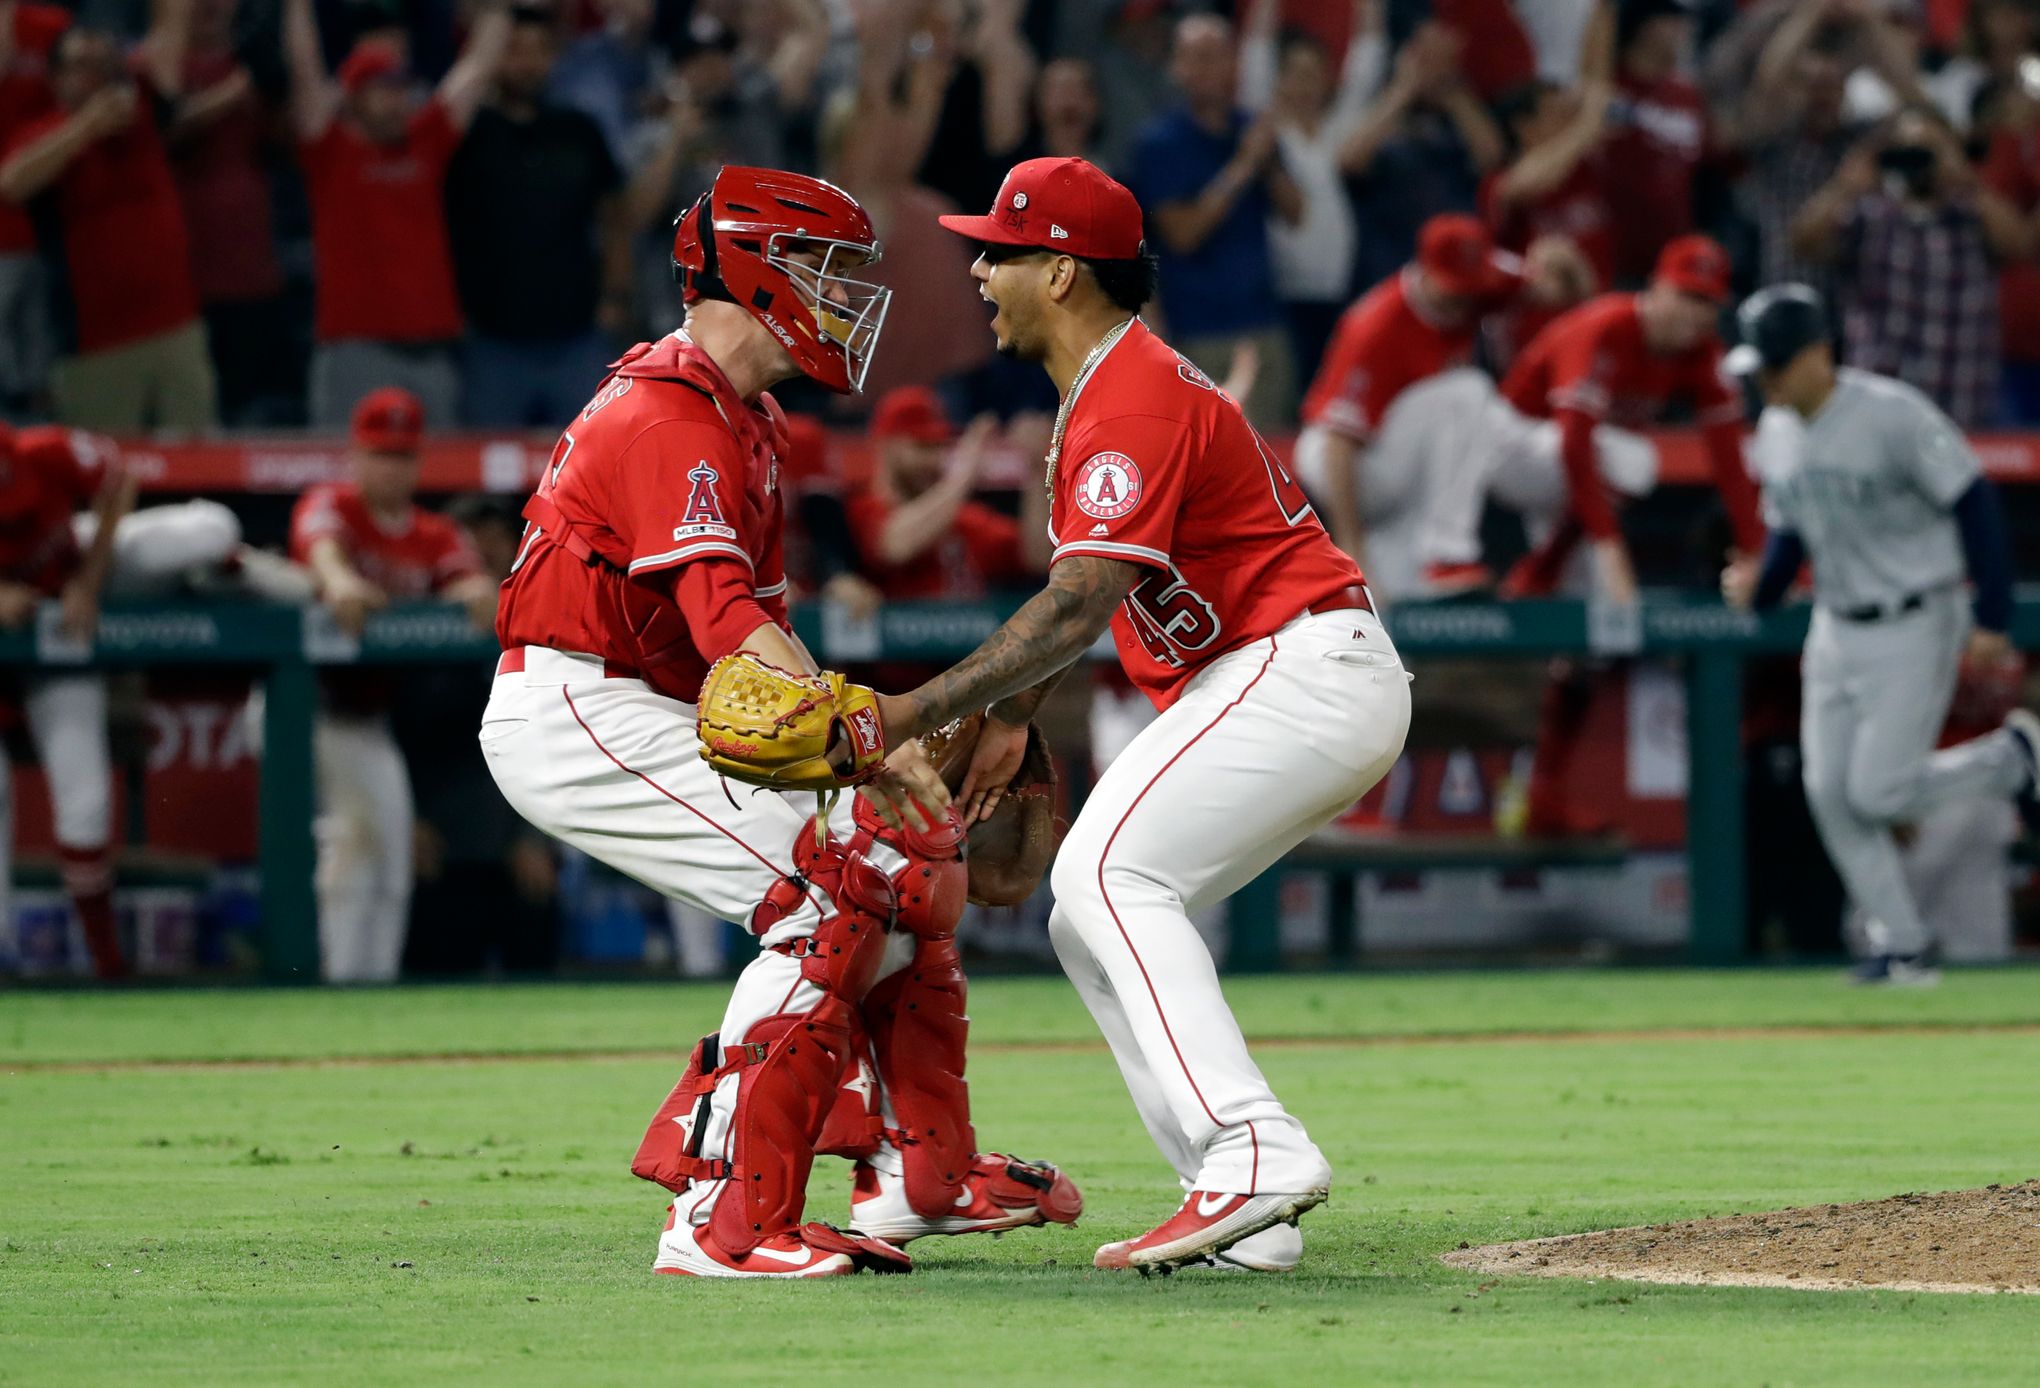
(795, 1259)
(1209, 1205)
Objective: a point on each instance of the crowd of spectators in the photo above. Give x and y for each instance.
(253, 212)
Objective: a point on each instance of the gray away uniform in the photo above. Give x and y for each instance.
(1868, 484)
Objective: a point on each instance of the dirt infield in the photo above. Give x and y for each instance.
(1984, 1240)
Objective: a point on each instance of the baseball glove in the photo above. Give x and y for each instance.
(1007, 854)
(762, 725)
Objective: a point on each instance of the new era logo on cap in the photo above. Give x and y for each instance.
(1069, 205)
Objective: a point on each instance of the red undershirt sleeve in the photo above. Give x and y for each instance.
(715, 598)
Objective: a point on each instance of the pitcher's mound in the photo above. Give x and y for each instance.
(1984, 1240)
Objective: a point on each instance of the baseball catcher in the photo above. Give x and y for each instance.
(647, 650)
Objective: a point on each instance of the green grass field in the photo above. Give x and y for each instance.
(460, 1210)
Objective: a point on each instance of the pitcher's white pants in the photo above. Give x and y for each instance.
(1267, 744)
(1445, 446)
(613, 768)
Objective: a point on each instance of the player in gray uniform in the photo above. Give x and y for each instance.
(1867, 478)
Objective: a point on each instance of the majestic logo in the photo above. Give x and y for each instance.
(703, 508)
(1019, 201)
(1108, 486)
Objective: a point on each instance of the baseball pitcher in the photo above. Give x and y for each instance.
(1866, 478)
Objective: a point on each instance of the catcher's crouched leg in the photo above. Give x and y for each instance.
(736, 1138)
(926, 1176)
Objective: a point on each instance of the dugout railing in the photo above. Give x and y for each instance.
(285, 647)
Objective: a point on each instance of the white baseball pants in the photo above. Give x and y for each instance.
(363, 833)
(613, 768)
(1267, 744)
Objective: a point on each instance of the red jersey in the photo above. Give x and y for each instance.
(1382, 346)
(1592, 366)
(379, 244)
(25, 95)
(981, 551)
(1161, 470)
(46, 475)
(126, 253)
(655, 535)
(2012, 171)
(409, 561)
(1650, 162)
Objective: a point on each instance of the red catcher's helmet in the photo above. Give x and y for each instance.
(737, 244)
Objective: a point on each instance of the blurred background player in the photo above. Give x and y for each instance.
(51, 550)
(1621, 361)
(368, 544)
(1863, 476)
(1401, 431)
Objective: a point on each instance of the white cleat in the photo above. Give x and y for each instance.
(998, 1194)
(1278, 1248)
(813, 1250)
(1209, 1223)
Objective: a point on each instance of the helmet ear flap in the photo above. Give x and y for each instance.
(705, 282)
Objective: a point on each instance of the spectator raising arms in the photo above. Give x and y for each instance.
(139, 358)
(1660, 135)
(534, 185)
(1915, 239)
(1209, 177)
(375, 163)
(1289, 76)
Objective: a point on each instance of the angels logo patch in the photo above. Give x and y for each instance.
(1108, 486)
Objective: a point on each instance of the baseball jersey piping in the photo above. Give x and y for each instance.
(685, 552)
(572, 708)
(1106, 852)
(1108, 549)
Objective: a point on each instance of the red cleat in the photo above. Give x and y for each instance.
(812, 1250)
(1000, 1193)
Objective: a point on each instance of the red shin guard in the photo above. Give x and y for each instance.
(918, 1031)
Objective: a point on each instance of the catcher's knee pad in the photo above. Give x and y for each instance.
(934, 885)
(918, 1031)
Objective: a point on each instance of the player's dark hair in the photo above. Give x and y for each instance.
(1129, 284)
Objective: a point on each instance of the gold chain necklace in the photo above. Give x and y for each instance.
(1062, 414)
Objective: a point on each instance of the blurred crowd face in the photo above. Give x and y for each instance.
(83, 64)
(1205, 67)
(632, 18)
(2005, 30)
(382, 109)
(1303, 79)
(388, 481)
(1066, 97)
(911, 466)
(1675, 321)
(1654, 52)
(527, 62)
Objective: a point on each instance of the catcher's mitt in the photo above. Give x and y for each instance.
(760, 724)
(1007, 854)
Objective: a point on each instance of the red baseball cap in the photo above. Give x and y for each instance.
(1695, 264)
(1069, 206)
(912, 412)
(371, 61)
(1459, 256)
(389, 420)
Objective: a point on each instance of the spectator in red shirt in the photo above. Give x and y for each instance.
(27, 337)
(1550, 192)
(1660, 134)
(95, 165)
(375, 163)
(219, 154)
(2012, 170)
(918, 531)
(368, 543)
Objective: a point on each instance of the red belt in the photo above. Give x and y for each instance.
(1351, 596)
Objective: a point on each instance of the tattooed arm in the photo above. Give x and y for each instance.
(1039, 641)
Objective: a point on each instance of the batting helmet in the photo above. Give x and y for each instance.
(738, 243)
(1776, 325)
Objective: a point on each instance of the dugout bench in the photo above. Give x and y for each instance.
(285, 646)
